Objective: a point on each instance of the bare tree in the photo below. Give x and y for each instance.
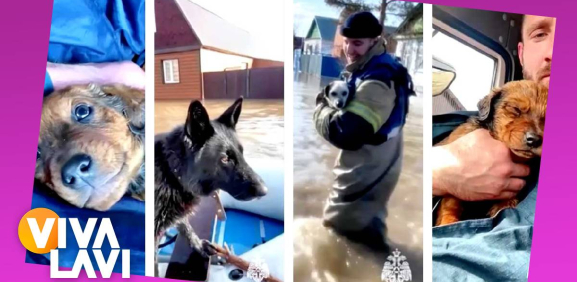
(394, 7)
(391, 7)
(349, 7)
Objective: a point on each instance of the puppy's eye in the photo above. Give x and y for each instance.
(38, 153)
(513, 110)
(82, 112)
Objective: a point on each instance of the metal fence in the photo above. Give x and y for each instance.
(259, 83)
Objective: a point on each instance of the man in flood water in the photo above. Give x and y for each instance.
(369, 132)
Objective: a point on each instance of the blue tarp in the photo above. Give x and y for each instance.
(95, 31)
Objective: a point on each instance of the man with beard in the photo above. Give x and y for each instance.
(491, 249)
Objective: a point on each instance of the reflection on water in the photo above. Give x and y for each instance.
(325, 255)
(260, 127)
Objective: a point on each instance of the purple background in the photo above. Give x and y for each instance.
(25, 30)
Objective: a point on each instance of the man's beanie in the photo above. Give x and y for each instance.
(361, 25)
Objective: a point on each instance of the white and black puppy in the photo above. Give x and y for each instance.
(337, 94)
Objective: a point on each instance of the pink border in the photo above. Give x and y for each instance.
(25, 30)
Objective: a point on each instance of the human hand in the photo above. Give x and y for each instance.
(126, 72)
(476, 167)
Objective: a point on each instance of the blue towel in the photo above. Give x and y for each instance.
(48, 87)
(95, 31)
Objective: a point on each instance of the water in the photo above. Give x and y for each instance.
(323, 254)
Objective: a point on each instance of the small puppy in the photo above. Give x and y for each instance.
(337, 94)
(194, 161)
(514, 115)
(91, 144)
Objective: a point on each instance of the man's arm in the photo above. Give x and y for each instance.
(352, 127)
(125, 72)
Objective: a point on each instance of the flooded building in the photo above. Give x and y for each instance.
(194, 60)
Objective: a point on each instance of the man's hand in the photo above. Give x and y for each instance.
(476, 167)
(127, 73)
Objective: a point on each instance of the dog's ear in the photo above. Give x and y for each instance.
(198, 128)
(126, 100)
(327, 89)
(487, 105)
(231, 115)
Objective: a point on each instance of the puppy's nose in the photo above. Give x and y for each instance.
(76, 170)
(533, 140)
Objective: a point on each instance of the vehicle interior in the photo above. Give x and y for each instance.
(473, 52)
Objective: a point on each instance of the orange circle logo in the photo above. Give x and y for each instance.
(38, 230)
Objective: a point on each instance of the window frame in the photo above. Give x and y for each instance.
(166, 75)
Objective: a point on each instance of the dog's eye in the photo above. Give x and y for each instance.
(38, 153)
(82, 112)
(334, 94)
(514, 110)
(225, 159)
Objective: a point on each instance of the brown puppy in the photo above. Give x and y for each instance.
(513, 114)
(91, 144)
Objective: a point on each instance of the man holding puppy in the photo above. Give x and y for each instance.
(478, 250)
(368, 131)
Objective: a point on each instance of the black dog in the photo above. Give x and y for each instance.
(195, 160)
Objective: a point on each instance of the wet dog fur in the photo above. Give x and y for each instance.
(514, 115)
(90, 144)
(194, 161)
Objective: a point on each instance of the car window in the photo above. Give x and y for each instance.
(475, 70)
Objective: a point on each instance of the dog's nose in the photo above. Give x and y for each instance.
(77, 169)
(261, 191)
(533, 140)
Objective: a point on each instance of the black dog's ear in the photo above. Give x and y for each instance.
(127, 101)
(198, 127)
(230, 117)
(487, 105)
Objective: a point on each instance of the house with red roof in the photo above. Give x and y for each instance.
(191, 41)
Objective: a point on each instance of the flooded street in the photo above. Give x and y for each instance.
(260, 127)
(325, 255)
